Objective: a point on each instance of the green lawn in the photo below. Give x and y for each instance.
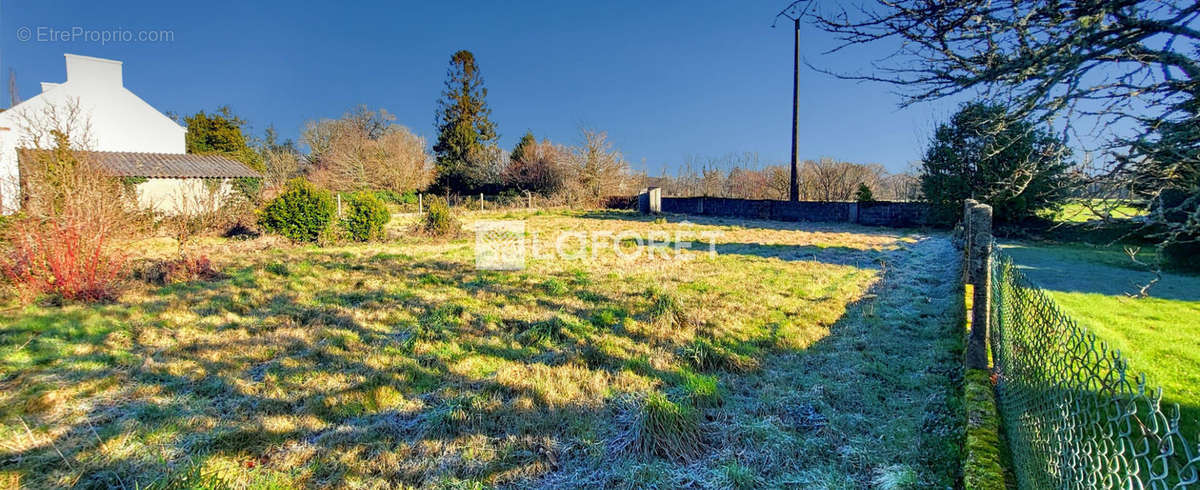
(1080, 211)
(800, 356)
(1159, 335)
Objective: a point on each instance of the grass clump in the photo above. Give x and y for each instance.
(739, 476)
(706, 355)
(554, 286)
(278, 268)
(660, 427)
(665, 308)
(701, 390)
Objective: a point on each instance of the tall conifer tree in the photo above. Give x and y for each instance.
(463, 127)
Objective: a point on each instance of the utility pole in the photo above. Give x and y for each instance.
(794, 13)
(13, 98)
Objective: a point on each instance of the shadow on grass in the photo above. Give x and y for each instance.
(1097, 270)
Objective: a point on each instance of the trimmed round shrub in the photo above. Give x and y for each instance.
(301, 213)
(365, 216)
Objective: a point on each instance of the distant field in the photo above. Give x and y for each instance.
(1080, 211)
(1159, 335)
(799, 356)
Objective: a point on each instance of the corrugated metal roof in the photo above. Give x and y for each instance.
(165, 165)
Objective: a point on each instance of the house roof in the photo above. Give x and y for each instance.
(165, 165)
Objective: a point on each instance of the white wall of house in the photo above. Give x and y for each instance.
(182, 196)
(117, 120)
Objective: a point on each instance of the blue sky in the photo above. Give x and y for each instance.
(664, 79)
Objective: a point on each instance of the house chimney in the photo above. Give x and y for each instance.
(93, 71)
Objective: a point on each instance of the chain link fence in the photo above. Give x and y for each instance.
(1075, 417)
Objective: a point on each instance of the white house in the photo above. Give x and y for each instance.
(127, 136)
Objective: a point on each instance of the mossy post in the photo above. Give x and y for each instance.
(979, 260)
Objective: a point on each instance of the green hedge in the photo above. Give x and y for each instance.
(301, 213)
(364, 217)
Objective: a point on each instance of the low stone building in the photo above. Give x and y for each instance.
(170, 183)
(122, 133)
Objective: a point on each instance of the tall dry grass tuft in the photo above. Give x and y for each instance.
(660, 427)
(63, 242)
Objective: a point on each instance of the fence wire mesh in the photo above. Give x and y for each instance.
(1073, 415)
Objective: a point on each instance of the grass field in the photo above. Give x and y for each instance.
(1159, 335)
(799, 355)
(1080, 211)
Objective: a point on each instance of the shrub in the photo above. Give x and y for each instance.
(1177, 206)
(365, 217)
(438, 219)
(864, 194)
(182, 269)
(74, 212)
(388, 196)
(537, 168)
(365, 150)
(61, 257)
(301, 213)
(1183, 256)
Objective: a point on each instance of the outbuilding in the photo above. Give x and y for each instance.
(118, 130)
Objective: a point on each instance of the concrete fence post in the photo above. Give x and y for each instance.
(655, 196)
(980, 266)
(966, 238)
(420, 204)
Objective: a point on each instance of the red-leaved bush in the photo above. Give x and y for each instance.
(75, 216)
(63, 258)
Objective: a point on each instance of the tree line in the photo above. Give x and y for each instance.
(742, 176)
(366, 150)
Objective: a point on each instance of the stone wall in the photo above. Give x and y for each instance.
(878, 213)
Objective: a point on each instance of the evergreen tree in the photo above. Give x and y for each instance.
(986, 154)
(518, 153)
(864, 194)
(463, 127)
(222, 133)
